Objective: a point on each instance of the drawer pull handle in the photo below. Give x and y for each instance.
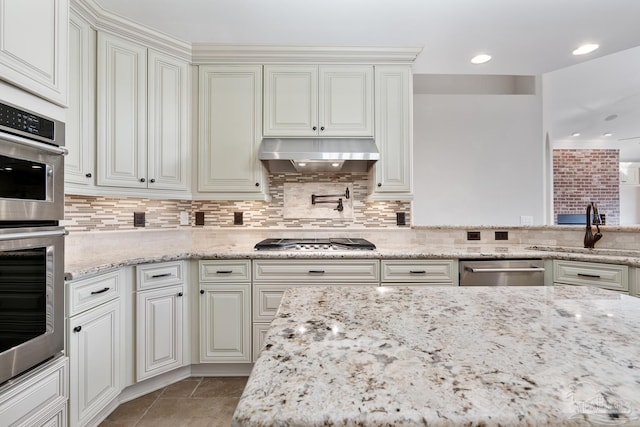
(101, 291)
(77, 329)
(316, 271)
(418, 272)
(157, 276)
(224, 271)
(201, 291)
(180, 294)
(593, 276)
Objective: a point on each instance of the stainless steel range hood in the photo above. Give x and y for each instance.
(318, 154)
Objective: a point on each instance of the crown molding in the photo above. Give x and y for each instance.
(207, 53)
(211, 53)
(103, 20)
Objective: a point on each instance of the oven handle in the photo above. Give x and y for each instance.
(33, 234)
(504, 270)
(35, 144)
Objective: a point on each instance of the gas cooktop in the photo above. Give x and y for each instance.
(340, 244)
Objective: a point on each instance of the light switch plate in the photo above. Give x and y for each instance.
(184, 218)
(526, 220)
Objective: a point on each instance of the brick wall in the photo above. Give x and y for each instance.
(583, 176)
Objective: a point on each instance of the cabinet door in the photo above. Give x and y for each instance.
(33, 51)
(393, 112)
(159, 340)
(346, 101)
(80, 124)
(290, 100)
(122, 113)
(225, 323)
(168, 123)
(230, 131)
(95, 358)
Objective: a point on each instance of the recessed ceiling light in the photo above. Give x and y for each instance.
(611, 117)
(481, 59)
(586, 48)
(607, 134)
(575, 134)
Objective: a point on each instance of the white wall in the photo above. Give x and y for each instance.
(478, 159)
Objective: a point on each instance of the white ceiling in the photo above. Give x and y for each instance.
(524, 36)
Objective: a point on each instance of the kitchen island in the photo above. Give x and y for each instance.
(374, 356)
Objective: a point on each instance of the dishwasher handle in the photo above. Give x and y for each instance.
(504, 270)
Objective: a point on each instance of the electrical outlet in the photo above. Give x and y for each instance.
(237, 218)
(473, 235)
(526, 220)
(199, 218)
(401, 218)
(139, 219)
(184, 218)
(502, 235)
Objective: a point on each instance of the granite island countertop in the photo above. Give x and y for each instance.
(516, 356)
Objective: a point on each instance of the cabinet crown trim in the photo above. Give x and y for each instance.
(206, 53)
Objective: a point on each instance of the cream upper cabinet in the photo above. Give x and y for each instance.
(326, 100)
(230, 132)
(80, 140)
(392, 174)
(143, 107)
(33, 55)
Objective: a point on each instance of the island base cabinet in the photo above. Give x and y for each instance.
(160, 331)
(94, 353)
(38, 398)
(225, 323)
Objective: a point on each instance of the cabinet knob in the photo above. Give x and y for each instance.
(77, 329)
(321, 127)
(379, 184)
(142, 180)
(257, 184)
(152, 180)
(88, 175)
(314, 128)
(180, 294)
(201, 291)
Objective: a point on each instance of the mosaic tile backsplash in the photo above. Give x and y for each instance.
(289, 208)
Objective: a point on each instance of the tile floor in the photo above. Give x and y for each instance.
(193, 402)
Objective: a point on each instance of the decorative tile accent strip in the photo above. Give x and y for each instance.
(89, 213)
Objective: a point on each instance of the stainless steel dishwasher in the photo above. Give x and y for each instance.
(502, 272)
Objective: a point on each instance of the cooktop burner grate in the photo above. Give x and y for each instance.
(340, 244)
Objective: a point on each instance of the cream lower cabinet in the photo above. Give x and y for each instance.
(230, 132)
(94, 344)
(271, 278)
(160, 318)
(392, 174)
(37, 398)
(411, 272)
(607, 276)
(225, 311)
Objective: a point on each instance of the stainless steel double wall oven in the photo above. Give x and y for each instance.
(31, 240)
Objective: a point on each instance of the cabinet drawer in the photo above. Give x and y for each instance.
(266, 300)
(227, 271)
(608, 276)
(420, 271)
(88, 293)
(159, 274)
(317, 271)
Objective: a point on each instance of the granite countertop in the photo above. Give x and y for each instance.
(516, 356)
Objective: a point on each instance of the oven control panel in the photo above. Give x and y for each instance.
(14, 119)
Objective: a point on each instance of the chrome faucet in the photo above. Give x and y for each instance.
(590, 239)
